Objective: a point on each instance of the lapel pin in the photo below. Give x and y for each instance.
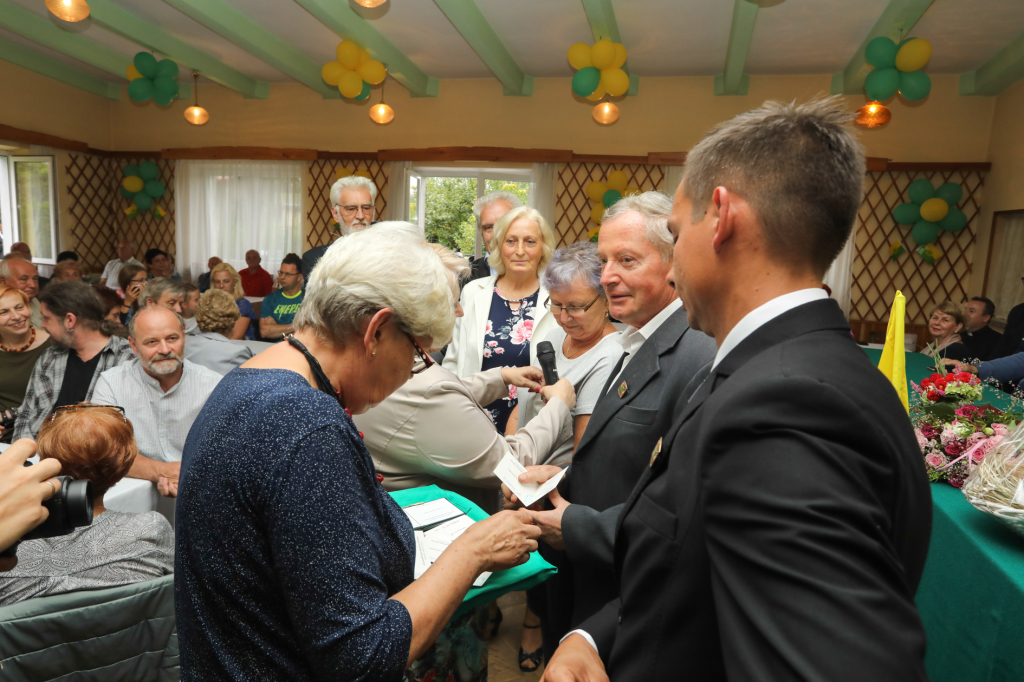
(657, 451)
(622, 389)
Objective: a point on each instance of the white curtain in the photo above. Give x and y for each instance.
(225, 208)
(1004, 284)
(839, 277)
(542, 190)
(673, 176)
(398, 190)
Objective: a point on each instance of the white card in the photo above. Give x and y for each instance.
(429, 513)
(422, 562)
(508, 471)
(438, 539)
(479, 582)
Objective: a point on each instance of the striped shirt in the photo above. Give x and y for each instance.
(47, 377)
(161, 420)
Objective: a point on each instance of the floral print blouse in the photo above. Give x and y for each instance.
(507, 344)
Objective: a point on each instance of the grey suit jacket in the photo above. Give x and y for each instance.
(214, 351)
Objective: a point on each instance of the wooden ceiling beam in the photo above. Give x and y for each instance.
(57, 70)
(471, 23)
(998, 73)
(732, 80)
(601, 16)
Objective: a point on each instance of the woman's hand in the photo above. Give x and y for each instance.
(503, 540)
(131, 294)
(564, 390)
(523, 377)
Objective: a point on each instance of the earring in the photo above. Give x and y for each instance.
(373, 354)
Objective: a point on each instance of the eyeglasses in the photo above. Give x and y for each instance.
(427, 360)
(72, 408)
(571, 311)
(351, 210)
(281, 273)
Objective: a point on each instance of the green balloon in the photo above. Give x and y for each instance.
(145, 63)
(951, 193)
(131, 171)
(610, 197)
(140, 89)
(586, 80)
(154, 188)
(364, 95)
(143, 200)
(923, 233)
(126, 194)
(163, 100)
(954, 221)
(881, 53)
(165, 86)
(907, 214)
(882, 84)
(920, 191)
(148, 171)
(915, 85)
(167, 68)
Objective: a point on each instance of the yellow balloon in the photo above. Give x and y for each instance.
(620, 56)
(579, 56)
(348, 55)
(133, 73)
(617, 180)
(602, 55)
(342, 173)
(596, 190)
(630, 191)
(934, 210)
(364, 57)
(372, 72)
(914, 55)
(133, 184)
(615, 81)
(350, 84)
(364, 174)
(597, 94)
(331, 72)
(597, 213)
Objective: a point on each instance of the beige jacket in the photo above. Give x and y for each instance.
(434, 430)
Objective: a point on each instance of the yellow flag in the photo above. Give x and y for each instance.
(893, 362)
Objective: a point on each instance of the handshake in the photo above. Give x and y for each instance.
(548, 521)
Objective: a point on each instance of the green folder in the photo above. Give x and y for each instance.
(523, 577)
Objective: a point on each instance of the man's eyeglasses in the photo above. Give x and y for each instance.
(427, 360)
(352, 210)
(72, 408)
(281, 273)
(572, 311)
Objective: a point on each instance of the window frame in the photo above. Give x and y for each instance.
(10, 212)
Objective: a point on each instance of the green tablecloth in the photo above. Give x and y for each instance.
(533, 572)
(971, 596)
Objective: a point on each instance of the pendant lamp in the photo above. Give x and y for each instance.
(195, 114)
(382, 114)
(68, 10)
(370, 3)
(873, 115)
(606, 113)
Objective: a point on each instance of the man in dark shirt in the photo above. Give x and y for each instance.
(980, 338)
(1013, 333)
(204, 279)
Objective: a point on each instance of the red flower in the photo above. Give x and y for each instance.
(925, 383)
(957, 479)
(930, 432)
(955, 449)
(935, 377)
(933, 396)
(965, 376)
(950, 377)
(941, 384)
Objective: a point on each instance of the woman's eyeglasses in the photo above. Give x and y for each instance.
(427, 360)
(72, 408)
(572, 311)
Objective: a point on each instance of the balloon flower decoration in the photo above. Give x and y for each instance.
(930, 210)
(604, 194)
(599, 73)
(152, 79)
(345, 172)
(897, 68)
(141, 187)
(354, 72)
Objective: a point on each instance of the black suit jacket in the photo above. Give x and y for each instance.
(611, 457)
(982, 343)
(1013, 334)
(781, 532)
(479, 268)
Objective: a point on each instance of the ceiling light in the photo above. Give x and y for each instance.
(606, 113)
(382, 114)
(68, 10)
(195, 114)
(873, 115)
(370, 3)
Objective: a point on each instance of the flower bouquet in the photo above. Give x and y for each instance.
(996, 485)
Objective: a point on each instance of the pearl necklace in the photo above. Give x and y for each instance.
(31, 340)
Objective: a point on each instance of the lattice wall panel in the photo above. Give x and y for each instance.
(92, 187)
(572, 205)
(876, 278)
(146, 230)
(322, 175)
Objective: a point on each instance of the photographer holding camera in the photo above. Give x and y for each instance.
(22, 493)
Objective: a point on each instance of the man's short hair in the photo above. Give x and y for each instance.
(352, 182)
(486, 200)
(798, 166)
(188, 287)
(67, 255)
(990, 307)
(294, 259)
(654, 209)
(158, 286)
(153, 253)
(140, 312)
(79, 299)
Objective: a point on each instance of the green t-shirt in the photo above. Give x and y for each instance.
(280, 307)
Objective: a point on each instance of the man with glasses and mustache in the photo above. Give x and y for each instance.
(279, 307)
(162, 394)
(352, 208)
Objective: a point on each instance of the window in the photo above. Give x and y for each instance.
(28, 205)
(441, 201)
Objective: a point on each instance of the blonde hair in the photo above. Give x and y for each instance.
(457, 265)
(216, 311)
(954, 310)
(547, 237)
(226, 267)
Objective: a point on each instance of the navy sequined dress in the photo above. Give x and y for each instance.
(287, 547)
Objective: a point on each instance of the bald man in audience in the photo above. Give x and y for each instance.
(255, 280)
(353, 209)
(125, 255)
(489, 209)
(17, 271)
(204, 279)
(161, 393)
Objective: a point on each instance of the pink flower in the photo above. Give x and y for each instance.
(492, 344)
(487, 352)
(975, 438)
(922, 442)
(488, 328)
(990, 445)
(935, 460)
(522, 332)
(513, 392)
(499, 350)
(978, 454)
(948, 435)
(1001, 429)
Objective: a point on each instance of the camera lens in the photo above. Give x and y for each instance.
(78, 503)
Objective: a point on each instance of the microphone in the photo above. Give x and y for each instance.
(546, 358)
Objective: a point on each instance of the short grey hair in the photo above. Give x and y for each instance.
(352, 182)
(131, 322)
(390, 266)
(500, 195)
(654, 209)
(798, 166)
(577, 261)
(547, 236)
(158, 286)
(457, 265)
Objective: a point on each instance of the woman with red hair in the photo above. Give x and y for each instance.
(21, 344)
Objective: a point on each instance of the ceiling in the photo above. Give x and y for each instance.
(663, 37)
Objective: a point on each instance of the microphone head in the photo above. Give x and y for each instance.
(545, 348)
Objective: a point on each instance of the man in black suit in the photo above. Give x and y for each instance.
(489, 209)
(980, 339)
(661, 356)
(1013, 333)
(781, 527)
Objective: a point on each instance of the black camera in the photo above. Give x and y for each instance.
(70, 508)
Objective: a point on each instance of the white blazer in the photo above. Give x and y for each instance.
(466, 352)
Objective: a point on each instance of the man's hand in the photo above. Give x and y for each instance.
(550, 521)
(575, 661)
(534, 474)
(523, 377)
(23, 490)
(958, 365)
(167, 481)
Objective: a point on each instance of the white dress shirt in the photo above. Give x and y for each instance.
(113, 269)
(633, 339)
(161, 420)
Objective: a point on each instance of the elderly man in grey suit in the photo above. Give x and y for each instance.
(652, 379)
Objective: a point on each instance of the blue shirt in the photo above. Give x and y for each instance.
(287, 547)
(280, 307)
(245, 310)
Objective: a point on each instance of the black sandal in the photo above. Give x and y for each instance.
(534, 657)
(496, 623)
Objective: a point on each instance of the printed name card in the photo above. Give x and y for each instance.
(508, 471)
